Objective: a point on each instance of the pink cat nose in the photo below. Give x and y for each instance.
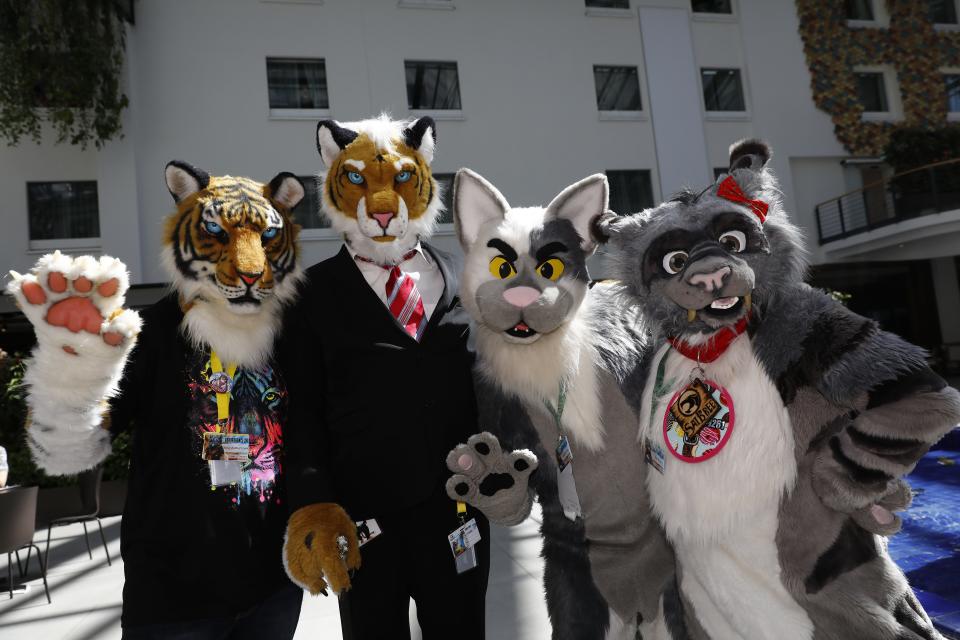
(710, 281)
(383, 219)
(521, 296)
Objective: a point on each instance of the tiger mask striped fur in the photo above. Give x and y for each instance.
(378, 188)
(231, 251)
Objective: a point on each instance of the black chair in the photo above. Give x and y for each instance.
(89, 485)
(18, 513)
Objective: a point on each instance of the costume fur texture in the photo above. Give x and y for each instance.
(538, 326)
(230, 251)
(378, 189)
(779, 535)
(320, 525)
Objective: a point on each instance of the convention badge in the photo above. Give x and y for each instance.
(225, 472)
(367, 530)
(221, 382)
(462, 541)
(654, 455)
(698, 421)
(564, 453)
(226, 446)
(567, 493)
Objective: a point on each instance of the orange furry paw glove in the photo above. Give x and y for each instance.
(313, 547)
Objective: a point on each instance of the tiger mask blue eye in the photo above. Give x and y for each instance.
(213, 228)
(354, 177)
(403, 176)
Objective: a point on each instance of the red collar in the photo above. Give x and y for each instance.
(715, 346)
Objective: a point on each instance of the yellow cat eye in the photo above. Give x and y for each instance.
(502, 269)
(551, 269)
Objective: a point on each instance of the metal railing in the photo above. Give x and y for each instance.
(933, 188)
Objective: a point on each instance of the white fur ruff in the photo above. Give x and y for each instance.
(533, 372)
(243, 335)
(721, 515)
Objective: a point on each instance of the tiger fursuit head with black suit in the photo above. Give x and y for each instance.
(378, 190)
(780, 424)
(230, 250)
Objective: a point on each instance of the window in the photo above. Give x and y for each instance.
(307, 212)
(952, 82)
(712, 6)
(63, 210)
(722, 90)
(432, 85)
(608, 4)
(445, 180)
(297, 84)
(618, 88)
(943, 11)
(630, 190)
(872, 91)
(859, 9)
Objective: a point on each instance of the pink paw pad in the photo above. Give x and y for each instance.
(57, 282)
(76, 314)
(109, 287)
(33, 292)
(83, 285)
(113, 338)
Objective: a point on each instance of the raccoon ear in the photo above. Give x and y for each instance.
(286, 189)
(184, 179)
(582, 203)
(749, 153)
(421, 134)
(332, 139)
(475, 202)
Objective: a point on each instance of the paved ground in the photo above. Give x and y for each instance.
(87, 593)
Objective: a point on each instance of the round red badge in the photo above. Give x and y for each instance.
(698, 421)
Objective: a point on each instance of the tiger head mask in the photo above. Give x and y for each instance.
(232, 242)
(378, 189)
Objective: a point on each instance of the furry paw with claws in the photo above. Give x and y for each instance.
(76, 304)
(491, 480)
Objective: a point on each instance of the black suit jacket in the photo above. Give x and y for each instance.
(372, 412)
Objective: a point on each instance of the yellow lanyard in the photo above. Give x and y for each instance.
(461, 511)
(223, 399)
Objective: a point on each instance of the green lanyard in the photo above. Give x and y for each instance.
(557, 412)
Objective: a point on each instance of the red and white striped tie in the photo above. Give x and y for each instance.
(403, 297)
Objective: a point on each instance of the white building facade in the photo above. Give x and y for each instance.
(547, 91)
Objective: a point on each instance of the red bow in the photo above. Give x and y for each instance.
(730, 190)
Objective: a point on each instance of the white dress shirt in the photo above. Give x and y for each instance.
(421, 267)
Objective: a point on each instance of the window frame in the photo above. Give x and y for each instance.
(704, 16)
(446, 228)
(949, 26)
(880, 20)
(952, 116)
(620, 114)
(284, 113)
(435, 113)
(314, 233)
(894, 112)
(726, 114)
(47, 244)
(442, 5)
(650, 181)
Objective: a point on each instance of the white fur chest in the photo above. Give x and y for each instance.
(722, 514)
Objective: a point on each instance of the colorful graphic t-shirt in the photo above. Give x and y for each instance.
(258, 403)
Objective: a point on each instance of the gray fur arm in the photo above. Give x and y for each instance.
(890, 427)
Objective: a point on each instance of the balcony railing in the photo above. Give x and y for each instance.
(911, 194)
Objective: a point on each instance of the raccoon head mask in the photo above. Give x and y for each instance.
(703, 261)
